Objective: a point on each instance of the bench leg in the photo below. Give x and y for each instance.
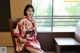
(57, 49)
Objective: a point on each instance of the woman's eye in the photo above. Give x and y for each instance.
(28, 10)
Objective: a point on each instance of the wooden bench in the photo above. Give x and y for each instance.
(69, 43)
(66, 43)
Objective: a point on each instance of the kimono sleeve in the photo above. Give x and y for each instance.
(17, 31)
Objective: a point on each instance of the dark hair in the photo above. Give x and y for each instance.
(27, 7)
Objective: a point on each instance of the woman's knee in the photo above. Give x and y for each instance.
(29, 49)
(32, 50)
(38, 51)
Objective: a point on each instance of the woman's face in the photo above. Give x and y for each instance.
(30, 12)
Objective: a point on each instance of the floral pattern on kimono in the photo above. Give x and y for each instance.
(22, 27)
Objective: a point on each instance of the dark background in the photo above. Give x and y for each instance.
(4, 15)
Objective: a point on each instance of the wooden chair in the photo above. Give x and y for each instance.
(12, 24)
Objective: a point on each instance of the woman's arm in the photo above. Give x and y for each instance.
(19, 31)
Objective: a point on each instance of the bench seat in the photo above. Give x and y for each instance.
(66, 42)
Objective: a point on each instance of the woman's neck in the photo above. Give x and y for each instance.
(30, 18)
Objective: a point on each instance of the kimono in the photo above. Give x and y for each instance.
(26, 29)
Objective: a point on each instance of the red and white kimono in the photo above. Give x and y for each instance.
(26, 25)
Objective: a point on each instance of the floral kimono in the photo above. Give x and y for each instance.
(26, 30)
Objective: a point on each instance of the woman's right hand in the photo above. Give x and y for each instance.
(22, 40)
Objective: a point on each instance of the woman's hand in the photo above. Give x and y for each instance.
(22, 40)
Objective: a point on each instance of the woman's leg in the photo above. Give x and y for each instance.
(32, 50)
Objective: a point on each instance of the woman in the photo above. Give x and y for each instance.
(26, 32)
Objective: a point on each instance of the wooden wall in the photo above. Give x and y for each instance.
(17, 7)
